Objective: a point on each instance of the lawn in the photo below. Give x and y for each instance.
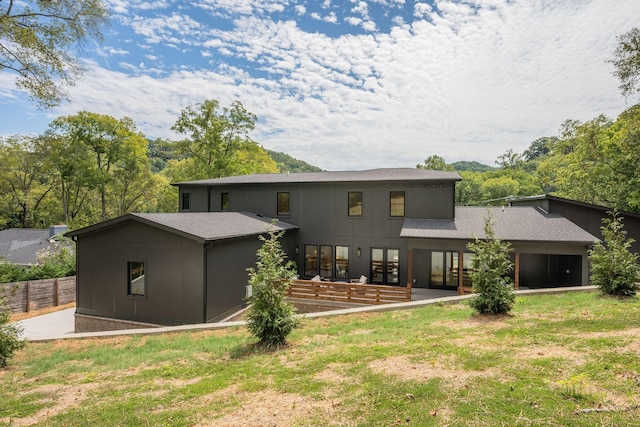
(571, 359)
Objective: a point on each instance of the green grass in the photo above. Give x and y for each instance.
(554, 361)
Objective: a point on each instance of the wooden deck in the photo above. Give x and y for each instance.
(349, 292)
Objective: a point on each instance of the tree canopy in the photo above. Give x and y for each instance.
(36, 42)
(626, 61)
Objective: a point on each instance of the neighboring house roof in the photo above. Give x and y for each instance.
(199, 226)
(21, 245)
(513, 223)
(373, 175)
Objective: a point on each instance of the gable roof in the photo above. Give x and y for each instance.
(521, 201)
(199, 226)
(21, 245)
(372, 175)
(513, 223)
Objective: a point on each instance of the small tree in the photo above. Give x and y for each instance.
(9, 334)
(490, 276)
(614, 268)
(271, 318)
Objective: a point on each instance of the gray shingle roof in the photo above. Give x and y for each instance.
(515, 223)
(373, 175)
(21, 245)
(200, 226)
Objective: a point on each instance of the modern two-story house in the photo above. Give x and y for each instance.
(396, 227)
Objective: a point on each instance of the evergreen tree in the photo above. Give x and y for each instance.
(614, 268)
(490, 276)
(271, 318)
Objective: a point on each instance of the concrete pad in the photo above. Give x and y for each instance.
(48, 326)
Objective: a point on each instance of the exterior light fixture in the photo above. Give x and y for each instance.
(358, 252)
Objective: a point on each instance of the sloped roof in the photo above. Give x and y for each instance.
(200, 226)
(513, 223)
(373, 175)
(21, 245)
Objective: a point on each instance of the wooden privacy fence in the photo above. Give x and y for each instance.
(37, 294)
(349, 292)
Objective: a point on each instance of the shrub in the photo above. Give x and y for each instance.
(9, 335)
(490, 276)
(271, 318)
(614, 268)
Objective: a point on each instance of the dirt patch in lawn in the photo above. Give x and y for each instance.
(403, 368)
(270, 408)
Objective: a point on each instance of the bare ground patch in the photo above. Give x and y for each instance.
(270, 408)
(402, 368)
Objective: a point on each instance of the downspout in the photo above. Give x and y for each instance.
(205, 275)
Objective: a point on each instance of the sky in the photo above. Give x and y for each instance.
(353, 84)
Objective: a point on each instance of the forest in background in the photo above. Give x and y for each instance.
(89, 167)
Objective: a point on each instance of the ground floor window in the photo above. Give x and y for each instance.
(385, 265)
(326, 262)
(137, 279)
(445, 271)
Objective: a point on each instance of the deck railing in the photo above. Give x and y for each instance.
(349, 292)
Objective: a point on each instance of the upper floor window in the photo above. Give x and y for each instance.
(396, 203)
(136, 285)
(224, 201)
(355, 203)
(283, 203)
(185, 201)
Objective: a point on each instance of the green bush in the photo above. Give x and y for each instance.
(9, 335)
(490, 276)
(271, 318)
(614, 268)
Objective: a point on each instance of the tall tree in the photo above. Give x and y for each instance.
(217, 139)
(435, 162)
(36, 39)
(626, 60)
(113, 155)
(25, 183)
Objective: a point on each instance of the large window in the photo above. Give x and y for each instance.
(342, 262)
(136, 285)
(283, 204)
(355, 203)
(445, 271)
(396, 203)
(185, 201)
(322, 260)
(385, 265)
(224, 201)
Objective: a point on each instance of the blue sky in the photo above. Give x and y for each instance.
(354, 84)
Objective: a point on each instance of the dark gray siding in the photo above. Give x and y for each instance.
(227, 276)
(174, 269)
(320, 210)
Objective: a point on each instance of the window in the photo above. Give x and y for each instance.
(310, 260)
(396, 203)
(283, 204)
(185, 201)
(342, 262)
(137, 279)
(444, 269)
(385, 265)
(355, 203)
(224, 201)
(326, 261)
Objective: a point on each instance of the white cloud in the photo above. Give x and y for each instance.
(300, 9)
(465, 80)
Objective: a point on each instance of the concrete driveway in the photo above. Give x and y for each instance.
(48, 326)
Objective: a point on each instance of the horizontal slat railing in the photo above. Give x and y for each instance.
(348, 292)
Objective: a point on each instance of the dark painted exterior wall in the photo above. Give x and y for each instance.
(174, 269)
(587, 217)
(320, 210)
